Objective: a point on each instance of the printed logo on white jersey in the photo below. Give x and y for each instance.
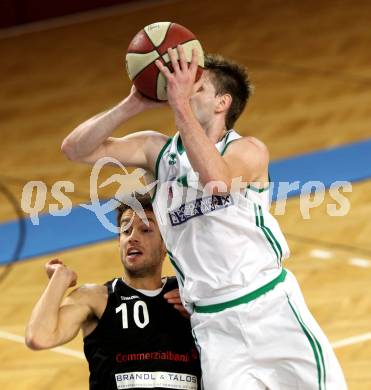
(172, 159)
(198, 207)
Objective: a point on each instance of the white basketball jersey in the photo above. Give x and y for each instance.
(221, 247)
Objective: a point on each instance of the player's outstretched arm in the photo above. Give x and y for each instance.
(53, 323)
(92, 140)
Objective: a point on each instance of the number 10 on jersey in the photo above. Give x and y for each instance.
(139, 307)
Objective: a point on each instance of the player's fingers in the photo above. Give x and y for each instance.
(194, 62)
(172, 294)
(173, 59)
(182, 58)
(53, 262)
(163, 69)
(175, 301)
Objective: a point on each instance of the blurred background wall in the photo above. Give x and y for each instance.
(15, 12)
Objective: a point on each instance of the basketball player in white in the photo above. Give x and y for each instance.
(249, 318)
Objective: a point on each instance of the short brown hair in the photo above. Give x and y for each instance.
(144, 200)
(229, 77)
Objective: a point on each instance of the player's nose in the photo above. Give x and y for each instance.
(134, 235)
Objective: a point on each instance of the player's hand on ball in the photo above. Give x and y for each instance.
(180, 82)
(57, 265)
(143, 103)
(173, 297)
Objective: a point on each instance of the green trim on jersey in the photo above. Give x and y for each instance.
(244, 299)
(226, 146)
(179, 145)
(162, 151)
(259, 221)
(256, 189)
(176, 266)
(183, 180)
(316, 347)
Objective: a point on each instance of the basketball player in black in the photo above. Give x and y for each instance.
(135, 332)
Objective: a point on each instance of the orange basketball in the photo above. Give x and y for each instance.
(151, 43)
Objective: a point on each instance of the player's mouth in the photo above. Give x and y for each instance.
(133, 253)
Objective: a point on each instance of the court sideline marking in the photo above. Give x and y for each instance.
(328, 255)
(62, 350)
(71, 352)
(351, 340)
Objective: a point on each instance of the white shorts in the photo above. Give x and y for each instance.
(272, 342)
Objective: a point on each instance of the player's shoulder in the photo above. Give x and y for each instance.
(256, 142)
(155, 136)
(160, 140)
(250, 144)
(253, 142)
(155, 142)
(88, 292)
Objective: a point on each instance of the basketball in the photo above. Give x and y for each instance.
(151, 43)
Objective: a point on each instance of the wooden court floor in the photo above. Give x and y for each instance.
(310, 63)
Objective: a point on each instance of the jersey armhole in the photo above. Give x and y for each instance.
(227, 144)
(260, 190)
(162, 151)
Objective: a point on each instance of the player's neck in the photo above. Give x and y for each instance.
(215, 130)
(143, 283)
(216, 134)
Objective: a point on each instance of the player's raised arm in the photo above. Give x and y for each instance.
(200, 116)
(92, 140)
(52, 322)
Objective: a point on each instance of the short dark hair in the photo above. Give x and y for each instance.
(144, 200)
(232, 78)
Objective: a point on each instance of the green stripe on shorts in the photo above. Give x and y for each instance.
(316, 347)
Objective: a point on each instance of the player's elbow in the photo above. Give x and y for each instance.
(69, 149)
(37, 341)
(33, 342)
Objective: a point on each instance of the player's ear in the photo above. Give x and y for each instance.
(224, 102)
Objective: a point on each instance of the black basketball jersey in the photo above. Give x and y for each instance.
(141, 342)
